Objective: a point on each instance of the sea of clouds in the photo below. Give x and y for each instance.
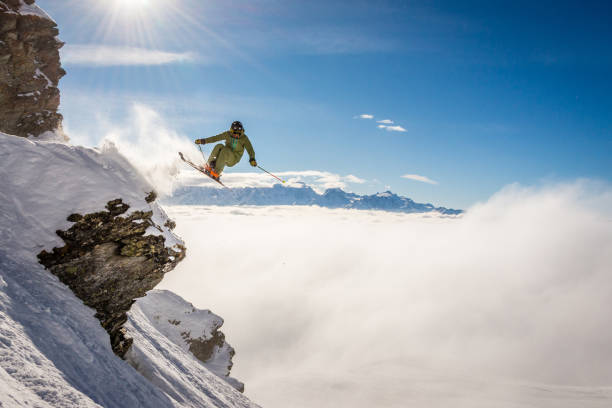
(333, 308)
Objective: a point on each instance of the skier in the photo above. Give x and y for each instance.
(230, 153)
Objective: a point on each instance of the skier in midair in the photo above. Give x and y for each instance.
(230, 153)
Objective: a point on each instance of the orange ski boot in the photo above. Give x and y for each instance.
(211, 171)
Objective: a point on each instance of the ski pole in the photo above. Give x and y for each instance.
(279, 179)
(200, 146)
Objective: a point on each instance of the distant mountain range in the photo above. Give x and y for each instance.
(303, 195)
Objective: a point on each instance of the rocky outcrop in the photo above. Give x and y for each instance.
(110, 259)
(30, 70)
(193, 330)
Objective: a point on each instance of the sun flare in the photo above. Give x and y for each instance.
(133, 5)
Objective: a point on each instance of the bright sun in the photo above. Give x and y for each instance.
(139, 23)
(133, 5)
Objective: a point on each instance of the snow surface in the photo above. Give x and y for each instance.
(33, 10)
(44, 182)
(53, 351)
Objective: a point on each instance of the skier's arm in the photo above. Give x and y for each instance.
(249, 147)
(218, 138)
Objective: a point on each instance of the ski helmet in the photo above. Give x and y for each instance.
(237, 127)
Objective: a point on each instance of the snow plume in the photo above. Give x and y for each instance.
(362, 309)
(151, 146)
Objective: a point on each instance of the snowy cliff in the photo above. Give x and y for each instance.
(54, 352)
(63, 191)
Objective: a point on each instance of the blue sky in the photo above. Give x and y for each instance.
(481, 94)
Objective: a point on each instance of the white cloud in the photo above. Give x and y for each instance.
(392, 128)
(422, 179)
(354, 179)
(105, 55)
(364, 116)
(377, 308)
(385, 121)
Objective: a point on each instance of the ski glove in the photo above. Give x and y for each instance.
(200, 141)
(253, 162)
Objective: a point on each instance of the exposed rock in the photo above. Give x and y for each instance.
(170, 225)
(152, 196)
(108, 261)
(203, 348)
(30, 70)
(192, 329)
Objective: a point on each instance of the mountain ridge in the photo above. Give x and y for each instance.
(301, 195)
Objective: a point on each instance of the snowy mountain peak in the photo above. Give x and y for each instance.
(303, 195)
(385, 194)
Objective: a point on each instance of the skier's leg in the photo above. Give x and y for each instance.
(224, 157)
(215, 153)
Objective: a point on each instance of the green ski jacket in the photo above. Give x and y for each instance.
(237, 144)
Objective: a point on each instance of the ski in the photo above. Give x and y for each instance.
(200, 169)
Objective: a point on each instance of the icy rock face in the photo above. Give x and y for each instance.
(30, 70)
(193, 330)
(109, 260)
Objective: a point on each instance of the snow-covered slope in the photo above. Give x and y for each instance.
(53, 351)
(194, 330)
(164, 327)
(302, 195)
(44, 182)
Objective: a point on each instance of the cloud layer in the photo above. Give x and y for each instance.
(335, 308)
(105, 55)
